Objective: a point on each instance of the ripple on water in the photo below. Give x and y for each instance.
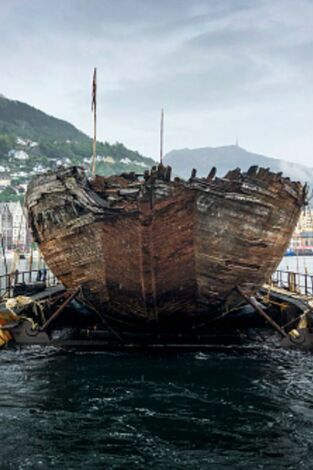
(215, 410)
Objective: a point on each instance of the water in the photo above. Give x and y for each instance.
(299, 264)
(237, 410)
(199, 411)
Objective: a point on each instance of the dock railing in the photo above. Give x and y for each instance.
(294, 282)
(9, 281)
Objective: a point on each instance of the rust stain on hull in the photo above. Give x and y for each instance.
(151, 247)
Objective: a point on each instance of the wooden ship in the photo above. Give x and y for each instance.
(153, 248)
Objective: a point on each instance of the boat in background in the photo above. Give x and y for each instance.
(152, 248)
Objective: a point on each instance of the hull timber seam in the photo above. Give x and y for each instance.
(151, 247)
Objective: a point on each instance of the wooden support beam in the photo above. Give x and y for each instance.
(59, 310)
(261, 312)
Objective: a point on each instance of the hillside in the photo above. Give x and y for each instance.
(20, 119)
(33, 142)
(229, 157)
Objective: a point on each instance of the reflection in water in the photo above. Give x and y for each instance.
(249, 410)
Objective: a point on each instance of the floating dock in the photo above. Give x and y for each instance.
(54, 316)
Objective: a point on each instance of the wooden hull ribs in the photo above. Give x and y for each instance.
(149, 247)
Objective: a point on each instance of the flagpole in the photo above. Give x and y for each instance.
(94, 108)
(161, 136)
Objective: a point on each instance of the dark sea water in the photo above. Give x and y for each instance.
(235, 410)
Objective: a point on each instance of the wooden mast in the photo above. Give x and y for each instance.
(94, 109)
(161, 135)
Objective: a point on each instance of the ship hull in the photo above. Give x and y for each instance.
(153, 249)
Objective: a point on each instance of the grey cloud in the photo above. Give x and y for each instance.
(218, 68)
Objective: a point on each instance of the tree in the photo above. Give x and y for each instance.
(6, 143)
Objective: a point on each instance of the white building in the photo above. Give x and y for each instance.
(109, 160)
(306, 220)
(13, 224)
(19, 154)
(5, 180)
(20, 141)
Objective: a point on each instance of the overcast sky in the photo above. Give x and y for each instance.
(221, 70)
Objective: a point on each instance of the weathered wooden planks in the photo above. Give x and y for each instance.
(152, 247)
(241, 235)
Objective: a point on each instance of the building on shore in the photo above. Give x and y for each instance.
(5, 181)
(302, 239)
(13, 225)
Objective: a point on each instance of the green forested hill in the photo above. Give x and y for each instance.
(20, 119)
(32, 142)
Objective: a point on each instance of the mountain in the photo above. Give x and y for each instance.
(20, 119)
(33, 142)
(230, 157)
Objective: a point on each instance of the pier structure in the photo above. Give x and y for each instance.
(46, 313)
